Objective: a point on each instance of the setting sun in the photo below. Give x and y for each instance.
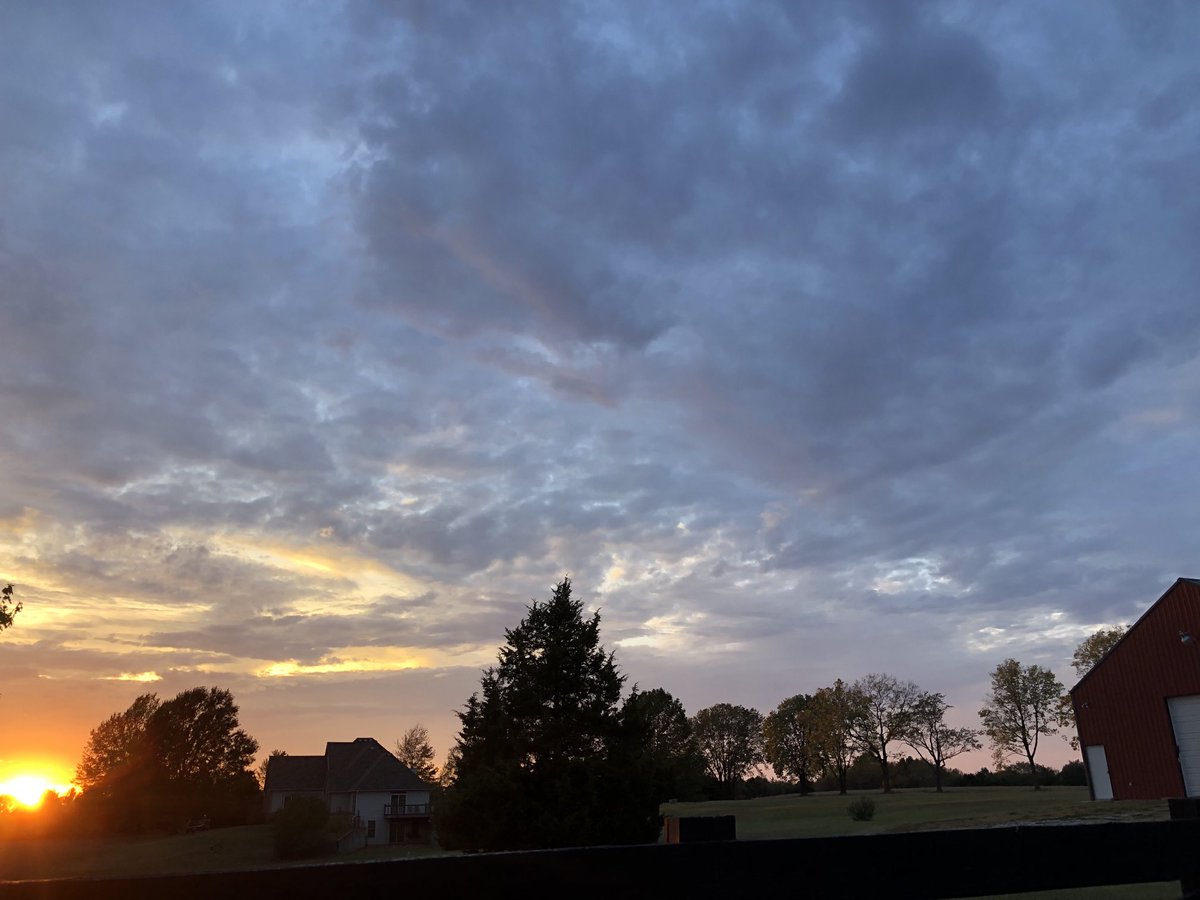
(28, 790)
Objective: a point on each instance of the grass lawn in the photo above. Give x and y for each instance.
(825, 815)
(222, 849)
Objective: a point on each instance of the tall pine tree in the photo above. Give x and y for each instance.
(543, 753)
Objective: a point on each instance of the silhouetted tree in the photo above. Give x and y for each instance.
(730, 739)
(934, 740)
(658, 724)
(415, 751)
(197, 738)
(449, 773)
(1023, 705)
(790, 744)
(886, 707)
(543, 756)
(665, 721)
(115, 746)
(162, 763)
(8, 607)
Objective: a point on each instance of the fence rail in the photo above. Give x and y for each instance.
(929, 864)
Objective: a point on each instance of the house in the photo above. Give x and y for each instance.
(362, 779)
(1138, 710)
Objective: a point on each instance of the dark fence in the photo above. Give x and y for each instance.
(690, 829)
(930, 864)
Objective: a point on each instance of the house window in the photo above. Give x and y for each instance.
(399, 801)
(370, 828)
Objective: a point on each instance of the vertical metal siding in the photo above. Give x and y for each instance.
(1122, 703)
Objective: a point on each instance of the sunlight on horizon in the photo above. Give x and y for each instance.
(29, 789)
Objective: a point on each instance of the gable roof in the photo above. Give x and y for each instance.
(365, 765)
(295, 773)
(359, 765)
(1128, 631)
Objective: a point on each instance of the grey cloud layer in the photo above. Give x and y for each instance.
(784, 318)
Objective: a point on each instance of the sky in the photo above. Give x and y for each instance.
(810, 339)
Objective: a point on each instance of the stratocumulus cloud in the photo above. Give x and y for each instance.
(811, 340)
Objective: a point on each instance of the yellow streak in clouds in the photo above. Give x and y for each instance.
(379, 660)
(667, 632)
(371, 575)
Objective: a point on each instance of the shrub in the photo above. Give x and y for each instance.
(300, 828)
(862, 809)
(1073, 773)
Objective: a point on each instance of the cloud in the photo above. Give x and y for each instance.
(810, 340)
(912, 78)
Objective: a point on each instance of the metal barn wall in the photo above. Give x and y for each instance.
(1122, 703)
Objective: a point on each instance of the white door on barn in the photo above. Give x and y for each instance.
(1185, 719)
(1098, 771)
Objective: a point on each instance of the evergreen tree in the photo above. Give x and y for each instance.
(543, 754)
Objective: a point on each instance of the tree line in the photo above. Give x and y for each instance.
(159, 764)
(825, 734)
(558, 754)
(556, 757)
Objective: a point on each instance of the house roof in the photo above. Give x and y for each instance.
(295, 773)
(365, 765)
(1130, 629)
(359, 765)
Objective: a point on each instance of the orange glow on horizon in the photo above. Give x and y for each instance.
(30, 788)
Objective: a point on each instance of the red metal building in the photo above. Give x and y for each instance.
(1138, 709)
